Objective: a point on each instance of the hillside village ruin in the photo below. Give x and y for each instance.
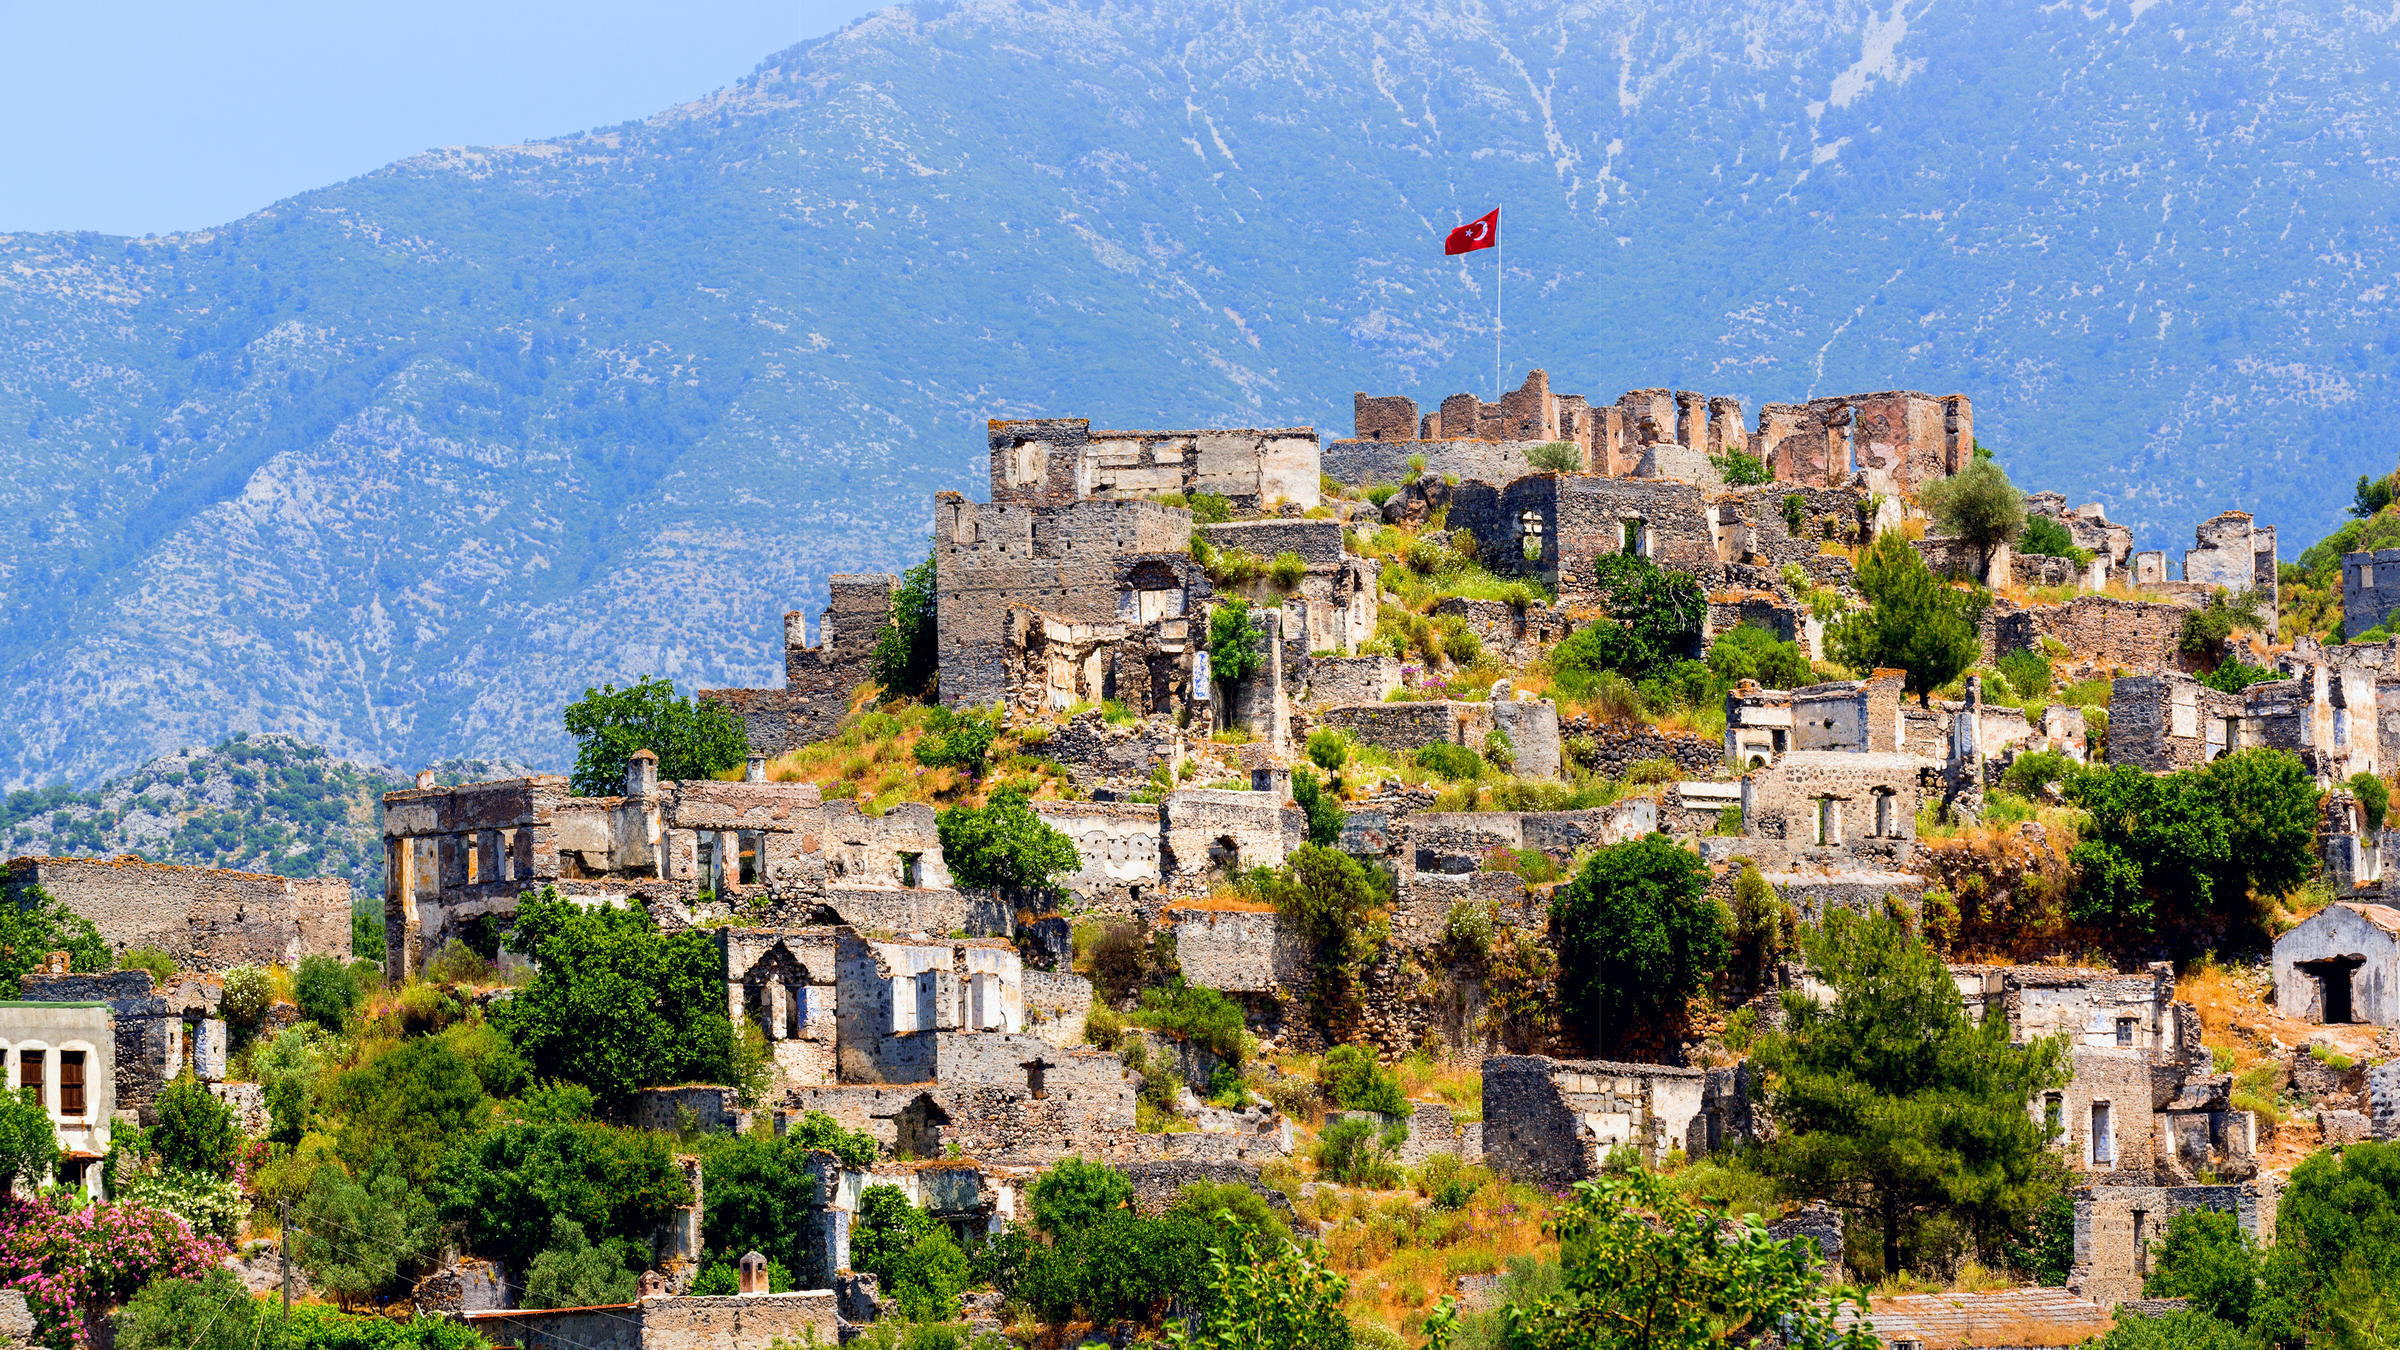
(949, 1024)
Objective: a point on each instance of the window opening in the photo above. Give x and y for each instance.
(29, 1073)
(747, 842)
(2104, 1151)
(2141, 1242)
(2054, 1113)
(1035, 1081)
(910, 874)
(70, 1082)
(2125, 1031)
(474, 850)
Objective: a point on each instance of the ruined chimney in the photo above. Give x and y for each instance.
(641, 774)
(55, 963)
(754, 769)
(754, 1274)
(424, 779)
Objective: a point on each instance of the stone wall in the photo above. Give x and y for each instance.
(2232, 551)
(2096, 629)
(2357, 944)
(1054, 461)
(727, 1322)
(1316, 542)
(2118, 1228)
(1075, 562)
(206, 918)
(2170, 721)
(1897, 440)
(1555, 1121)
(1238, 951)
(1351, 679)
(1365, 463)
(1608, 749)
(1843, 803)
(2370, 589)
(1515, 636)
(817, 679)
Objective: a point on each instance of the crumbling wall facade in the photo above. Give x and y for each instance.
(1896, 441)
(817, 680)
(1051, 462)
(1074, 562)
(2170, 721)
(1556, 1121)
(208, 919)
(2117, 1229)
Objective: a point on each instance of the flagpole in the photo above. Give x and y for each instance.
(1499, 257)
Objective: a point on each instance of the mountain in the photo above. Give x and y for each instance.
(253, 803)
(401, 465)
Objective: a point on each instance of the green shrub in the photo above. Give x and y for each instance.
(1321, 805)
(2028, 774)
(160, 965)
(1286, 569)
(1355, 1152)
(2373, 796)
(574, 1273)
(1329, 749)
(959, 740)
(1556, 457)
(1740, 468)
(195, 1131)
(325, 991)
(1351, 1078)
(1003, 843)
(248, 992)
(1075, 1195)
(1198, 1014)
(1234, 639)
(1748, 651)
(2027, 672)
(1451, 761)
(503, 1188)
(1208, 508)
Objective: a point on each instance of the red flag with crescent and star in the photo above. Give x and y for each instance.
(1481, 232)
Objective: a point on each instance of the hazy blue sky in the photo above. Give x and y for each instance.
(149, 117)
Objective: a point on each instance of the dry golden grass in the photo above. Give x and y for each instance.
(872, 760)
(1402, 1254)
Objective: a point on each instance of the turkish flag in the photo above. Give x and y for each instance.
(1481, 232)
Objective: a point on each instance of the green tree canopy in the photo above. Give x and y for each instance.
(28, 1144)
(34, 924)
(2208, 1259)
(1333, 908)
(195, 1131)
(325, 990)
(2044, 535)
(615, 1004)
(1263, 1292)
(908, 646)
(2183, 853)
(1890, 1103)
(1749, 652)
(1646, 1269)
(1978, 504)
(413, 1100)
(1076, 1194)
(502, 1188)
(358, 1236)
(575, 1272)
(1004, 843)
(1235, 637)
(692, 737)
(2333, 1275)
(1321, 805)
(1914, 621)
(1656, 617)
(757, 1193)
(1636, 935)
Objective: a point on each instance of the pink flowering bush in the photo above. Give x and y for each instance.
(75, 1264)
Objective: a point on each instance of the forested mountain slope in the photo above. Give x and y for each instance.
(400, 465)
